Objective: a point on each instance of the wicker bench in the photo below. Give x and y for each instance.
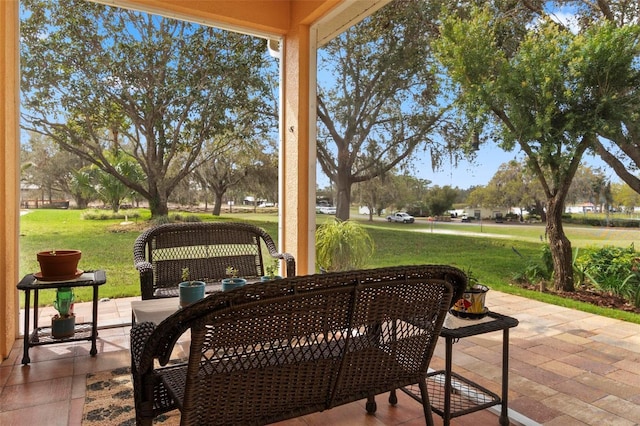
(207, 249)
(272, 351)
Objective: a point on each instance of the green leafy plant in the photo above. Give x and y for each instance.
(472, 279)
(631, 284)
(231, 272)
(186, 277)
(611, 269)
(473, 282)
(342, 246)
(536, 271)
(272, 269)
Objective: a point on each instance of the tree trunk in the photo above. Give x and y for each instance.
(343, 196)
(560, 247)
(540, 208)
(157, 203)
(81, 203)
(217, 203)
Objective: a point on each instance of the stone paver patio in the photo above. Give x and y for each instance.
(566, 367)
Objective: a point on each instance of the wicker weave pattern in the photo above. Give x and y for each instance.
(207, 249)
(273, 351)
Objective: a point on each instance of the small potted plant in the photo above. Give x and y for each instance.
(64, 322)
(472, 303)
(271, 271)
(233, 281)
(190, 291)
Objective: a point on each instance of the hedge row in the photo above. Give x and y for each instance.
(593, 221)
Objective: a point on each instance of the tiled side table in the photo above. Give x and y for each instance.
(42, 335)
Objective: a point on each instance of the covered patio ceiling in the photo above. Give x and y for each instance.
(300, 26)
(262, 18)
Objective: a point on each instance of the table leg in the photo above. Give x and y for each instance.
(446, 418)
(94, 322)
(36, 302)
(25, 352)
(504, 413)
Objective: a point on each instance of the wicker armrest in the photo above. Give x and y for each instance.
(289, 261)
(145, 270)
(143, 266)
(140, 333)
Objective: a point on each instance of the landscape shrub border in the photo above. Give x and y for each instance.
(600, 221)
(610, 269)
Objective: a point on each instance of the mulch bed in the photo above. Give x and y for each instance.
(591, 296)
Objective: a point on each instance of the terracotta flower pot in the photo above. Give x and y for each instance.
(59, 264)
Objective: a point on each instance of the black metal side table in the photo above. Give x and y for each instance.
(452, 395)
(42, 335)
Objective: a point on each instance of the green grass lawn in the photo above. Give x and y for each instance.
(489, 252)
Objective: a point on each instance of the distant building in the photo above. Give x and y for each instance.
(482, 212)
(580, 208)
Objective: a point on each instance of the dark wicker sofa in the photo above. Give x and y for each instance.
(207, 249)
(272, 351)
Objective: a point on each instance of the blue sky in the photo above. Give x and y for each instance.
(481, 170)
(478, 172)
(467, 173)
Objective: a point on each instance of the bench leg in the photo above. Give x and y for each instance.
(371, 404)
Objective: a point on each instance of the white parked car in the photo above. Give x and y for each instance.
(326, 209)
(401, 217)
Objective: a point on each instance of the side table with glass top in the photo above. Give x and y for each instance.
(452, 395)
(42, 335)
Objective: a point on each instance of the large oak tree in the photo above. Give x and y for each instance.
(97, 77)
(378, 99)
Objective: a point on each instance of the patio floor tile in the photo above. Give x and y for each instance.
(566, 368)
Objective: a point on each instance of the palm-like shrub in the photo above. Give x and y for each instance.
(342, 246)
(611, 269)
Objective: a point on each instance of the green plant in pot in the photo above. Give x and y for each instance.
(271, 271)
(342, 246)
(64, 322)
(472, 303)
(232, 281)
(190, 290)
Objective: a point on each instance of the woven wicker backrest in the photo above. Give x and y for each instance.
(282, 349)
